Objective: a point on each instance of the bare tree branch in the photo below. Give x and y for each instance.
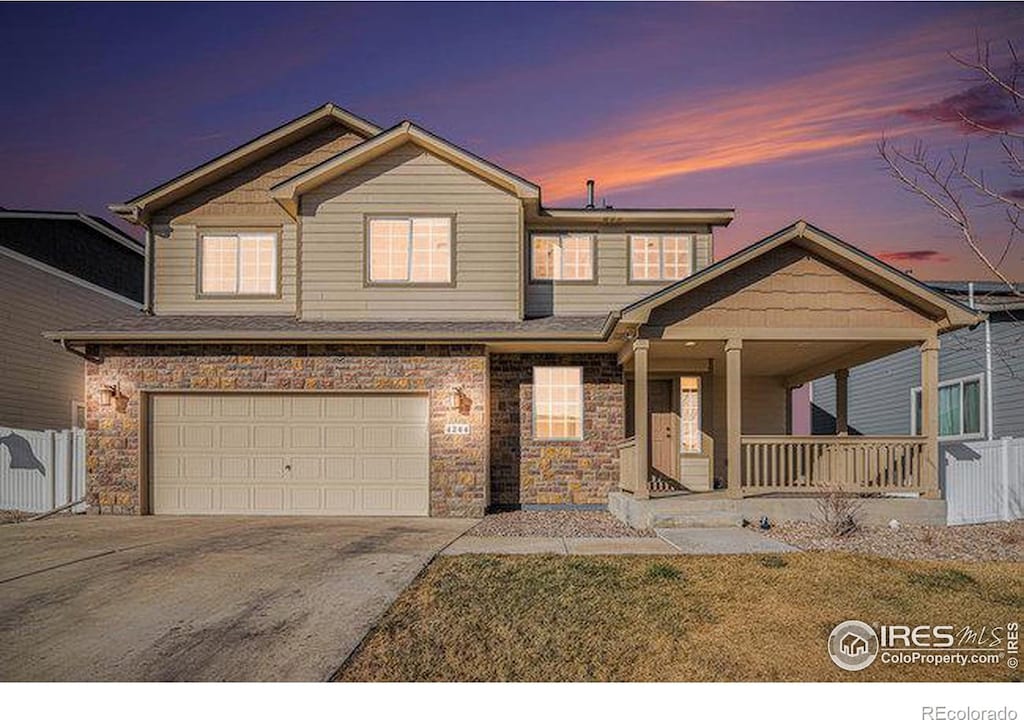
(937, 189)
(988, 129)
(984, 66)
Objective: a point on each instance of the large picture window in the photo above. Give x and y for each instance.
(959, 408)
(238, 263)
(558, 403)
(562, 257)
(660, 257)
(410, 250)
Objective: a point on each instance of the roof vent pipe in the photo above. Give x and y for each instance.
(590, 194)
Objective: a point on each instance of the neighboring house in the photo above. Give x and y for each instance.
(981, 378)
(57, 268)
(350, 320)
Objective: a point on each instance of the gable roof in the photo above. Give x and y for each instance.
(77, 247)
(947, 312)
(286, 193)
(135, 209)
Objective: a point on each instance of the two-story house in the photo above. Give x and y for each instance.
(344, 319)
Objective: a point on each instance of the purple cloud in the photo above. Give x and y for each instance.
(984, 103)
(913, 256)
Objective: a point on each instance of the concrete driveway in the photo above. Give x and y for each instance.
(163, 598)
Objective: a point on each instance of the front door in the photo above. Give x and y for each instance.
(664, 431)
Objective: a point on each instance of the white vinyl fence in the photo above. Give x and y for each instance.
(41, 469)
(983, 481)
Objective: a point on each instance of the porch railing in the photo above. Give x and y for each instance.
(782, 463)
(627, 465)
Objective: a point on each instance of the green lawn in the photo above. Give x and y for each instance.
(754, 618)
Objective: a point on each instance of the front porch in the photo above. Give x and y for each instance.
(711, 364)
(725, 421)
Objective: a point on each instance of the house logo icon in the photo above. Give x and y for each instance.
(853, 645)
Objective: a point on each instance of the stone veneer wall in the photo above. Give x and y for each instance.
(458, 464)
(525, 471)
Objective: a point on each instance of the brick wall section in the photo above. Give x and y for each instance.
(525, 471)
(458, 464)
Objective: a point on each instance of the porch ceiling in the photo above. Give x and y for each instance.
(798, 361)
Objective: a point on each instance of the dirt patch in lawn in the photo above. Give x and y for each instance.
(738, 618)
(555, 523)
(1003, 541)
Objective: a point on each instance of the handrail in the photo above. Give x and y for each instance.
(857, 463)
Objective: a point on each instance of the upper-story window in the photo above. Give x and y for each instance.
(660, 257)
(564, 257)
(238, 263)
(411, 250)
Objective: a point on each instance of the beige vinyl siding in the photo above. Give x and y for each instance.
(176, 266)
(409, 181)
(787, 287)
(39, 380)
(764, 410)
(238, 201)
(612, 289)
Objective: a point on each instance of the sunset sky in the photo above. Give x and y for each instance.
(774, 109)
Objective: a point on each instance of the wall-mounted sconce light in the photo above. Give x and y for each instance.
(459, 401)
(112, 394)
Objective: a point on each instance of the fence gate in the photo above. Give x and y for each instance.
(41, 469)
(983, 481)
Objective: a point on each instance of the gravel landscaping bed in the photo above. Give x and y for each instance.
(555, 523)
(1002, 541)
(13, 516)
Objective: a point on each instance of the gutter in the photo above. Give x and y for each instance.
(84, 355)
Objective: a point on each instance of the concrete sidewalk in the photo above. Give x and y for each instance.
(670, 541)
(495, 545)
(721, 541)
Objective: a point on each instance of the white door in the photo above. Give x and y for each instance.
(301, 454)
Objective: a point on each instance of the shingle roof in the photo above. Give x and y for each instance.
(148, 328)
(988, 296)
(81, 245)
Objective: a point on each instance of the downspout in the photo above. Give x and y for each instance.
(989, 432)
(147, 281)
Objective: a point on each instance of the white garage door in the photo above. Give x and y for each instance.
(271, 454)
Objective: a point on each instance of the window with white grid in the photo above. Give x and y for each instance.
(562, 257)
(689, 414)
(660, 257)
(410, 250)
(241, 263)
(558, 403)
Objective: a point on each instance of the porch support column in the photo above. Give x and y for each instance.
(930, 417)
(842, 401)
(641, 422)
(733, 416)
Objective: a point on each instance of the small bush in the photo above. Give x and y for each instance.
(838, 512)
(772, 561)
